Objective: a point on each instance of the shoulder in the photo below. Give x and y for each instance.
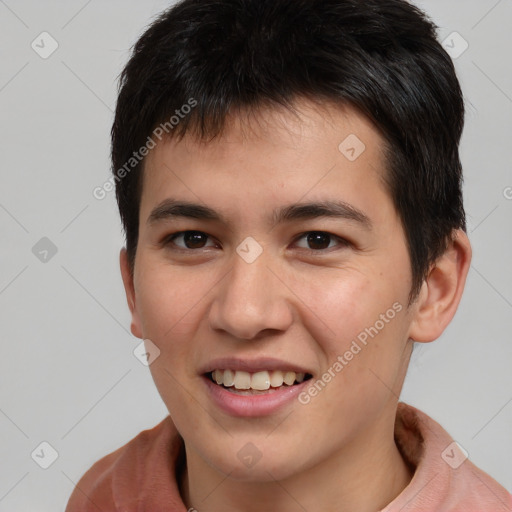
(444, 478)
(96, 488)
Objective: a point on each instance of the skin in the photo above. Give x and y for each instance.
(296, 302)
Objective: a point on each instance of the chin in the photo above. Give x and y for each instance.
(250, 464)
(262, 472)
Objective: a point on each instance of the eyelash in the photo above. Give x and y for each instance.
(169, 239)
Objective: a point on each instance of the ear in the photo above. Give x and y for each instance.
(442, 290)
(130, 293)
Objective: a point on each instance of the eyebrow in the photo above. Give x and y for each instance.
(171, 208)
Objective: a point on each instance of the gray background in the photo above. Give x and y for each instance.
(68, 375)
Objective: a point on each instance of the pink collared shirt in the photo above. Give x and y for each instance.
(141, 475)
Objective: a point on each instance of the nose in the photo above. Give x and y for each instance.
(250, 302)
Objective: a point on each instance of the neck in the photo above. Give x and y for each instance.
(363, 476)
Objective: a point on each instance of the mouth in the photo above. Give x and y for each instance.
(254, 387)
(258, 383)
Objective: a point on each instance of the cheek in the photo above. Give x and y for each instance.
(171, 303)
(168, 298)
(340, 307)
(172, 306)
(357, 320)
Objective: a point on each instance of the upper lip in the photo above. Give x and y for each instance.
(252, 365)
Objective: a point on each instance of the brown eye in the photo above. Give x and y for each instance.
(316, 241)
(195, 239)
(191, 240)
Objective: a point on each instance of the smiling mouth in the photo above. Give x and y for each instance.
(263, 382)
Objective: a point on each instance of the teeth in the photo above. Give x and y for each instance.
(218, 376)
(260, 381)
(276, 379)
(229, 378)
(242, 380)
(289, 378)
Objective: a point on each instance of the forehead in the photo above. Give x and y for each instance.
(269, 157)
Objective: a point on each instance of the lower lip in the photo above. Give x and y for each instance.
(252, 405)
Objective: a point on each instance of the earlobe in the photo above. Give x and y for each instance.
(442, 290)
(129, 289)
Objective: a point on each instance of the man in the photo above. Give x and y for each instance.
(288, 177)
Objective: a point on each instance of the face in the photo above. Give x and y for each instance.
(250, 286)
